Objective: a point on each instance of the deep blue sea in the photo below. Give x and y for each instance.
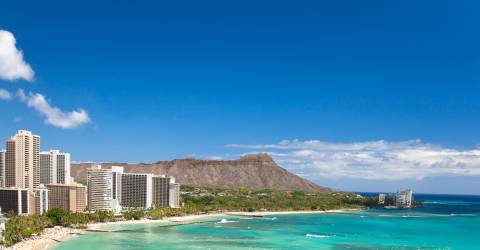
(444, 222)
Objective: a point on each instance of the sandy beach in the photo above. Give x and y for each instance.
(48, 239)
(51, 237)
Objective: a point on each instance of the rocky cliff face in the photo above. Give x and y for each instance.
(252, 171)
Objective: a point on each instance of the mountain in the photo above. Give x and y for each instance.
(257, 171)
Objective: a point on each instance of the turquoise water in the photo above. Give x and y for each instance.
(445, 222)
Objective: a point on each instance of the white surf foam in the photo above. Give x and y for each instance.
(319, 235)
(224, 221)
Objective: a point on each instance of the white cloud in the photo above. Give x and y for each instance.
(12, 65)
(54, 116)
(5, 95)
(374, 160)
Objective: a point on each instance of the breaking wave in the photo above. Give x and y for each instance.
(319, 235)
(224, 221)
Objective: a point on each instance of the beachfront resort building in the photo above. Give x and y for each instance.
(161, 190)
(100, 189)
(117, 173)
(54, 167)
(174, 195)
(136, 190)
(404, 198)
(22, 160)
(2, 168)
(18, 201)
(81, 197)
(381, 199)
(70, 197)
(147, 191)
(113, 190)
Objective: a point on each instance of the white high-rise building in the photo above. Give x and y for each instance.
(100, 189)
(174, 195)
(404, 198)
(117, 173)
(2, 168)
(22, 160)
(55, 167)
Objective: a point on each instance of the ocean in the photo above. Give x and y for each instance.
(444, 222)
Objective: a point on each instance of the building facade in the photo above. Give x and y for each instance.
(161, 191)
(41, 199)
(174, 195)
(54, 167)
(70, 197)
(381, 199)
(2, 168)
(404, 198)
(100, 189)
(136, 190)
(18, 201)
(81, 197)
(22, 160)
(117, 183)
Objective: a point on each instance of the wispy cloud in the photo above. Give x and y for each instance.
(5, 95)
(374, 160)
(53, 115)
(12, 64)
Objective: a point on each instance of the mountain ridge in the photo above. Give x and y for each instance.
(254, 171)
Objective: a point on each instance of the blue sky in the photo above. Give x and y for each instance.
(161, 80)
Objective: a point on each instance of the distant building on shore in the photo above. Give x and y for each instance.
(381, 199)
(404, 198)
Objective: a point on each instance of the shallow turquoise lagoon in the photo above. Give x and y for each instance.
(445, 222)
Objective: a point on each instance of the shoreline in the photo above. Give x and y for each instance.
(51, 237)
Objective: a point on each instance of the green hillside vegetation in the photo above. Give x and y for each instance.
(215, 199)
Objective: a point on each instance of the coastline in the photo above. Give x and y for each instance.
(51, 237)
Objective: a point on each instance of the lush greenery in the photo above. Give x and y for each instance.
(214, 199)
(23, 227)
(194, 200)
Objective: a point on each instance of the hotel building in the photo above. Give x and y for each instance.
(117, 183)
(100, 189)
(174, 195)
(136, 190)
(2, 168)
(69, 197)
(404, 198)
(161, 190)
(19, 201)
(81, 197)
(41, 199)
(22, 160)
(54, 167)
